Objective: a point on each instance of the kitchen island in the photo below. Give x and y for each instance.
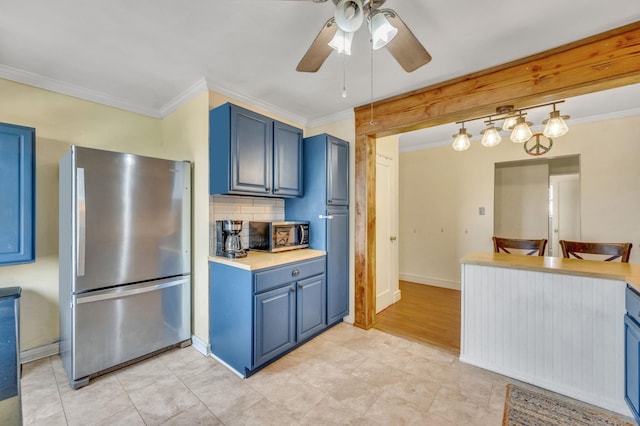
(552, 322)
(265, 305)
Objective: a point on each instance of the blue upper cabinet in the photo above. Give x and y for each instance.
(17, 194)
(337, 172)
(252, 154)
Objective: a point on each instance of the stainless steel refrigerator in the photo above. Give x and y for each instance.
(125, 261)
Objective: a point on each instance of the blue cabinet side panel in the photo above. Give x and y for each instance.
(230, 315)
(219, 145)
(632, 365)
(8, 349)
(17, 194)
(312, 205)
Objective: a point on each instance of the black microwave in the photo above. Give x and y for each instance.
(276, 236)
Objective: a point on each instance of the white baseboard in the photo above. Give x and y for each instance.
(39, 353)
(397, 295)
(200, 346)
(419, 279)
(233, 370)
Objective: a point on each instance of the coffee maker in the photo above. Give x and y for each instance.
(228, 243)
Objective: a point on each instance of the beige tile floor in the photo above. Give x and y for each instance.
(344, 376)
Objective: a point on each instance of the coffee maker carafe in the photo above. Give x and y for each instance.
(228, 242)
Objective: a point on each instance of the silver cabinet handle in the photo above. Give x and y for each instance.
(295, 273)
(81, 206)
(330, 216)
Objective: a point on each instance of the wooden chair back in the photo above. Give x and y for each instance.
(613, 250)
(533, 246)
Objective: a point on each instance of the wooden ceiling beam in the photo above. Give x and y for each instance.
(600, 62)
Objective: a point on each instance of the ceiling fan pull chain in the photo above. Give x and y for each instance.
(371, 103)
(344, 75)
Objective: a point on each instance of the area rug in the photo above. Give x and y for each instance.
(524, 407)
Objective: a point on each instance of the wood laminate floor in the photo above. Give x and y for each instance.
(425, 314)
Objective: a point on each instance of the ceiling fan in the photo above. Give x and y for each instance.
(386, 29)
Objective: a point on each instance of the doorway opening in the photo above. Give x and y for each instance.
(538, 199)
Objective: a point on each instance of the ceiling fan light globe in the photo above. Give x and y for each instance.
(341, 42)
(382, 32)
(349, 15)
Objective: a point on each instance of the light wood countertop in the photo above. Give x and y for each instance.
(629, 272)
(260, 260)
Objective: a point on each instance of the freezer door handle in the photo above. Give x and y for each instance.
(82, 224)
(139, 289)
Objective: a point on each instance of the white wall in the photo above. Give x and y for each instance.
(442, 189)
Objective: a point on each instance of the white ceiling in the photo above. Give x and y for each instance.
(148, 56)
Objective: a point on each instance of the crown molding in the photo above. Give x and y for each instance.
(191, 92)
(57, 86)
(258, 104)
(339, 116)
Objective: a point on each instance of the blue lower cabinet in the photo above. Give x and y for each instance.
(632, 353)
(257, 316)
(275, 323)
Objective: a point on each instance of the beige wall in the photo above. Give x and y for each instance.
(441, 190)
(61, 121)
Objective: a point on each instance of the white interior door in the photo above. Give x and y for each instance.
(386, 242)
(565, 211)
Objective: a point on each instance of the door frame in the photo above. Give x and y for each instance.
(600, 62)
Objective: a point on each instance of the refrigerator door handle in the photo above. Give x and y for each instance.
(82, 224)
(125, 293)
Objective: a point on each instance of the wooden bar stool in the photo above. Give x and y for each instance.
(533, 246)
(614, 250)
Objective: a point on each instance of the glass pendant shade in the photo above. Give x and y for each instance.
(461, 140)
(382, 32)
(556, 126)
(490, 136)
(341, 42)
(509, 122)
(521, 132)
(349, 15)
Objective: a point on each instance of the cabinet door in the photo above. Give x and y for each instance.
(274, 323)
(632, 365)
(337, 172)
(337, 264)
(311, 306)
(287, 160)
(251, 155)
(17, 194)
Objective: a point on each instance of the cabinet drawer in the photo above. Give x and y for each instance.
(278, 276)
(632, 304)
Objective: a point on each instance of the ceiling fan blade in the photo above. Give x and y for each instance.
(319, 49)
(405, 47)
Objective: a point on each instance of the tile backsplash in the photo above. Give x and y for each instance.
(241, 208)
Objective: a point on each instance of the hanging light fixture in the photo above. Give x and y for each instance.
(555, 125)
(461, 140)
(490, 135)
(382, 32)
(521, 131)
(341, 42)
